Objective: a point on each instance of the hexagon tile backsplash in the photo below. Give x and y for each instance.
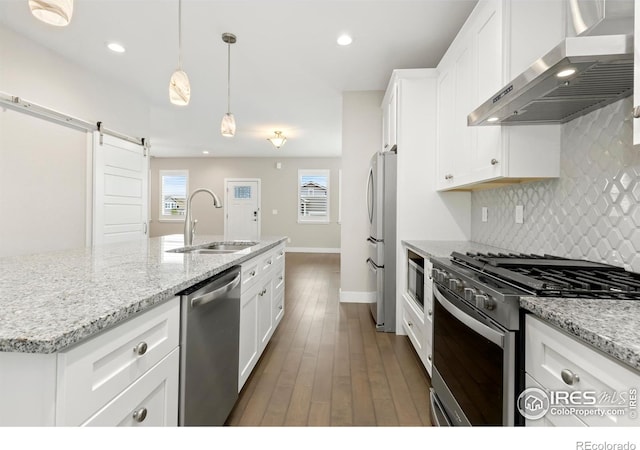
(592, 211)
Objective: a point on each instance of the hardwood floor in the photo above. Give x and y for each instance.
(327, 366)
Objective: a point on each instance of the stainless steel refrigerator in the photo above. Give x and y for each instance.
(381, 206)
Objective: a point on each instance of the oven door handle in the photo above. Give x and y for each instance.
(484, 330)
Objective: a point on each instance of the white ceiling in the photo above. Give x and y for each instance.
(287, 71)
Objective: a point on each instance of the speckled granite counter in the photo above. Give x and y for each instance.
(444, 248)
(52, 300)
(611, 326)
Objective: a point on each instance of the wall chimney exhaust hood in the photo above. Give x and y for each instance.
(578, 76)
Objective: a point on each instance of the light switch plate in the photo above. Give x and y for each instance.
(519, 214)
(485, 213)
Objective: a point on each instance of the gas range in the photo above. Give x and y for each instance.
(493, 282)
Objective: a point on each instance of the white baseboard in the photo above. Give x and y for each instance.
(311, 250)
(357, 297)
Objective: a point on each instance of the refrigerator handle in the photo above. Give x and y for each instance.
(370, 195)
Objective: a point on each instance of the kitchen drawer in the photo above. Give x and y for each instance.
(549, 420)
(250, 272)
(550, 351)
(267, 263)
(413, 324)
(152, 401)
(278, 308)
(94, 372)
(280, 254)
(278, 280)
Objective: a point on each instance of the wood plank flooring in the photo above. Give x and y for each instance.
(327, 366)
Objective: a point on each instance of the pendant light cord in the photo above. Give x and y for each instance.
(228, 77)
(180, 34)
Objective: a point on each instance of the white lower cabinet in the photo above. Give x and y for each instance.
(261, 308)
(103, 380)
(151, 401)
(581, 378)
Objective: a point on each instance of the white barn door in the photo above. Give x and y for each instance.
(120, 190)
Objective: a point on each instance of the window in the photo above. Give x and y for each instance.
(313, 196)
(174, 185)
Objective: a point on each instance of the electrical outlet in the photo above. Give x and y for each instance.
(485, 213)
(274, 212)
(519, 214)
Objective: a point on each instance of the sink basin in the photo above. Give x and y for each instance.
(217, 248)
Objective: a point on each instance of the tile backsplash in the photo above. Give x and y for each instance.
(592, 211)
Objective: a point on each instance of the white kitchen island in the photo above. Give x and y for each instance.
(72, 322)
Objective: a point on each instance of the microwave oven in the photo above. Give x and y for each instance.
(415, 277)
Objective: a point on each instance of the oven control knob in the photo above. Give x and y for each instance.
(469, 294)
(485, 302)
(436, 274)
(455, 284)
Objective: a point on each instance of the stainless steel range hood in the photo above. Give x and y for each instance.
(603, 74)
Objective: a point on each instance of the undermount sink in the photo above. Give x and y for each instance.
(217, 248)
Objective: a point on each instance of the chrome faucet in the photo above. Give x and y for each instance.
(189, 223)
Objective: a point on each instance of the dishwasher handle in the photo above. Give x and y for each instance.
(215, 294)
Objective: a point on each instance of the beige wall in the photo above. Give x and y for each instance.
(43, 165)
(279, 192)
(361, 137)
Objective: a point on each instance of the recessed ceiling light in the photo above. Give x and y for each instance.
(566, 73)
(204, 152)
(115, 47)
(492, 119)
(345, 39)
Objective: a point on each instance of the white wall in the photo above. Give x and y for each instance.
(279, 192)
(361, 138)
(43, 166)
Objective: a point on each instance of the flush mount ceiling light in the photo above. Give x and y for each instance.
(54, 12)
(228, 125)
(115, 47)
(179, 87)
(278, 140)
(345, 39)
(566, 73)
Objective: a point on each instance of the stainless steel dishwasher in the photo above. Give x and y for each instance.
(209, 340)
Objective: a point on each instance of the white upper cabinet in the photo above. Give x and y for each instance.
(390, 119)
(500, 39)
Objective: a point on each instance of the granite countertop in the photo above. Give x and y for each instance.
(52, 300)
(608, 325)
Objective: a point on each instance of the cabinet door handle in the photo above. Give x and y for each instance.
(280, 307)
(448, 177)
(429, 313)
(494, 162)
(429, 357)
(252, 273)
(410, 324)
(140, 414)
(141, 348)
(636, 112)
(569, 377)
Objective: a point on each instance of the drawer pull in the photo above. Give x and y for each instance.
(429, 357)
(281, 277)
(252, 273)
(141, 348)
(280, 307)
(410, 323)
(430, 313)
(569, 377)
(140, 415)
(281, 253)
(269, 262)
(494, 162)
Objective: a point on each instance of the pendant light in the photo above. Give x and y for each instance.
(278, 140)
(179, 87)
(53, 12)
(228, 125)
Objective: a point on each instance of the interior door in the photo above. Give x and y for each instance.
(120, 190)
(242, 215)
